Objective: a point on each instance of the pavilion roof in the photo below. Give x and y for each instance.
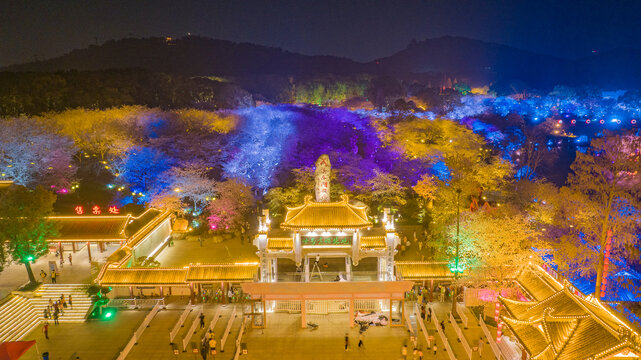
(86, 228)
(144, 276)
(329, 215)
(222, 272)
(424, 270)
(564, 325)
(537, 283)
(373, 242)
(327, 290)
(237, 272)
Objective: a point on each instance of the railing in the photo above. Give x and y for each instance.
(213, 322)
(490, 339)
(509, 352)
(134, 303)
(461, 313)
(192, 329)
(134, 339)
(419, 320)
(227, 329)
(290, 306)
(179, 323)
(366, 305)
(461, 337)
(240, 337)
(446, 344)
(408, 323)
(323, 307)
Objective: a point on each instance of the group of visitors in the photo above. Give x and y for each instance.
(57, 308)
(208, 345)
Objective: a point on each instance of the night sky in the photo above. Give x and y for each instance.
(361, 30)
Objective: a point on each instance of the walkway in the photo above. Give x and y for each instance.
(15, 275)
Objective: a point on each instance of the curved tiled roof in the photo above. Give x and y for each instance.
(330, 215)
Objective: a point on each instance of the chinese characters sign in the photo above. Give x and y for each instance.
(321, 176)
(326, 240)
(96, 210)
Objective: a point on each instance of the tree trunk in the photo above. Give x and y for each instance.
(603, 241)
(32, 279)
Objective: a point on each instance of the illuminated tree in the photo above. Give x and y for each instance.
(426, 188)
(234, 200)
(32, 155)
(494, 244)
(607, 184)
(256, 149)
(24, 228)
(142, 167)
(192, 185)
(383, 189)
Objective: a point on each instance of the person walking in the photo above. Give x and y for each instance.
(481, 347)
(53, 277)
(429, 314)
(443, 325)
(404, 351)
(70, 302)
(202, 320)
(423, 312)
(346, 341)
(45, 330)
(62, 262)
(212, 346)
(70, 263)
(420, 354)
(43, 275)
(360, 341)
(55, 317)
(435, 348)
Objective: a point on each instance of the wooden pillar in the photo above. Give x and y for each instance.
(303, 314)
(306, 264)
(200, 292)
(431, 289)
(131, 291)
(192, 296)
(402, 305)
(224, 285)
(162, 293)
(73, 247)
(391, 310)
(351, 313)
(264, 313)
(101, 246)
(89, 250)
(60, 247)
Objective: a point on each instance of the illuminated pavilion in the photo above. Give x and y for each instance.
(560, 323)
(321, 230)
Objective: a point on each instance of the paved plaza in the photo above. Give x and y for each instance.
(15, 275)
(282, 339)
(189, 251)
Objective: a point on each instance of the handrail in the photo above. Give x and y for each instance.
(408, 323)
(192, 329)
(422, 326)
(461, 337)
(136, 336)
(490, 339)
(228, 329)
(212, 323)
(461, 314)
(240, 337)
(446, 344)
(179, 323)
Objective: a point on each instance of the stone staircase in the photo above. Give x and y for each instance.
(21, 314)
(17, 318)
